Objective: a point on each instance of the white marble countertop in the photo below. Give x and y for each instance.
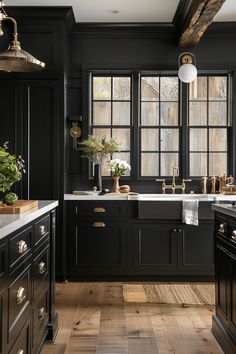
(12, 222)
(151, 197)
(227, 209)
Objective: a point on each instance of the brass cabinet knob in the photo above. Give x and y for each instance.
(99, 224)
(42, 230)
(233, 236)
(222, 228)
(99, 210)
(41, 313)
(20, 351)
(22, 247)
(20, 295)
(174, 230)
(41, 268)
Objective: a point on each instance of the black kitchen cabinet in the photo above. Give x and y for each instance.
(111, 239)
(224, 321)
(27, 275)
(155, 248)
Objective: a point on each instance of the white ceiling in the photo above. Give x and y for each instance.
(227, 12)
(99, 10)
(129, 10)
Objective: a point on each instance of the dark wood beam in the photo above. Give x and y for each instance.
(193, 18)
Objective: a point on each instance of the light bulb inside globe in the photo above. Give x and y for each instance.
(187, 73)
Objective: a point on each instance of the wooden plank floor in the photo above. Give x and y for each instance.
(94, 319)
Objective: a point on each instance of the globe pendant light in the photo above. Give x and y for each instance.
(14, 58)
(187, 69)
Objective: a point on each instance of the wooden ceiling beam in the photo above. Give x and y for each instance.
(199, 16)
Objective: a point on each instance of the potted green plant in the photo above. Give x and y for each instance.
(11, 169)
(97, 150)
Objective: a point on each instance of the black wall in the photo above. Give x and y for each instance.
(135, 48)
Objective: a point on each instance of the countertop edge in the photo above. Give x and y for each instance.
(25, 218)
(226, 209)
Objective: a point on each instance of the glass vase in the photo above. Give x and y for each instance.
(97, 177)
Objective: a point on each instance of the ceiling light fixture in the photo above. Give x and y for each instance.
(14, 58)
(187, 67)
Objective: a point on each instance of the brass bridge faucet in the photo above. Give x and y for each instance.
(173, 186)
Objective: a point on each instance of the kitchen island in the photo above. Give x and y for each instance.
(27, 279)
(224, 321)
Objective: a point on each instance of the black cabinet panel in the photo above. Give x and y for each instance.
(155, 247)
(197, 248)
(232, 314)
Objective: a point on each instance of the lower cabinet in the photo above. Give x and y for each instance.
(27, 287)
(224, 321)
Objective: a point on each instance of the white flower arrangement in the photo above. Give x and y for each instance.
(118, 167)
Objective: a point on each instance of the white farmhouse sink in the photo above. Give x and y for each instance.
(180, 197)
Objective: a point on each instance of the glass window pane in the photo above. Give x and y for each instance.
(149, 164)
(150, 113)
(197, 113)
(217, 139)
(101, 88)
(121, 113)
(102, 113)
(150, 139)
(121, 88)
(122, 136)
(198, 139)
(150, 88)
(217, 88)
(198, 89)
(198, 164)
(169, 88)
(169, 113)
(169, 140)
(217, 164)
(123, 156)
(102, 132)
(168, 160)
(217, 113)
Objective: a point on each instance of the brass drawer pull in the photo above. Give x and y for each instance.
(42, 230)
(20, 296)
(233, 236)
(222, 228)
(99, 224)
(99, 210)
(41, 313)
(22, 247)
(41, 268)
(20, 351)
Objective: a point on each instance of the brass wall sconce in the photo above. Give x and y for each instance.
(14, 58)
(187, 67)
(75, 130)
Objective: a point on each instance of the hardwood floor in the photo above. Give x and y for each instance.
(94, 319)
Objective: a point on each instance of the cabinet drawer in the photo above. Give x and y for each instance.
(20, 246)
(22, 344)
(19, 303)
(100, 208)
(40, 317)
(40, 273)
(41, 229)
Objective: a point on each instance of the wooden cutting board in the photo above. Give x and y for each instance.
(19, 207)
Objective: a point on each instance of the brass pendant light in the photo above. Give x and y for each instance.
(14, 58)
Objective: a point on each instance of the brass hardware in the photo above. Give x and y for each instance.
(177, 230)
(174, 230)
(222, 228)
(213, 184)
(173, 186)
(99, 210)
(222, 183)
(20, 351)
(41, 313)
(14, 58)
(20, 296)
(99, 224)
(233, 236)
(41, 268)
(75, 133)
(42, 230)
(22, 247)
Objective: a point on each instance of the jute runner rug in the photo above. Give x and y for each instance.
(170, 293)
